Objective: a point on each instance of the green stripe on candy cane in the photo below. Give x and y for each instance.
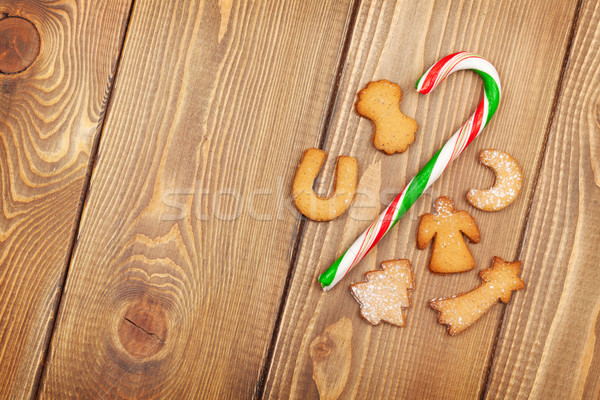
(434, 167)
(492, 92)
(414, 190)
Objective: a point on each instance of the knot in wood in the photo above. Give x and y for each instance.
(323, 348)
(19, 44)
(143, 330)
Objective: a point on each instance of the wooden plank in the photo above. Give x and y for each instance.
(52, 106)
(185, 238)
(398, 41)
(549, 346)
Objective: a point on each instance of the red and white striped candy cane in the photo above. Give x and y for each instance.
(434, 168)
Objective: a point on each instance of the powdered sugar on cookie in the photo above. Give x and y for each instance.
(384, 296)
(445, 226)
(507, 185)
(461, 311)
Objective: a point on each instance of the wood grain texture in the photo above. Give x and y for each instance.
(50, 116)
(186, 234)
(550, 341)
(399, 41)
(331, 354)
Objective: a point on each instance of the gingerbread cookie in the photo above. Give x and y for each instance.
(507, 185)
(384, 296)
(446, 227)
(380, 102)
(461, 311)
(319, 208)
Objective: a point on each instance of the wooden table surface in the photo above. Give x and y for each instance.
(149, 247)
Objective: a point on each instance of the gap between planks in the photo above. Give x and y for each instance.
(82, 199)
(538, 169)
(299, 236)
(323, 135)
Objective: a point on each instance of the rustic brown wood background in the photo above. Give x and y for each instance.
(148, 244)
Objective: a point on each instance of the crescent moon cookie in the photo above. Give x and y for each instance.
(507, 185)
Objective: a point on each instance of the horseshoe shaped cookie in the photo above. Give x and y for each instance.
(320, 208)
(507, 185)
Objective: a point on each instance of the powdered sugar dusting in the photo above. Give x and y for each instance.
(385, 293)
(443, 206)
(446, 226)
(507, 185)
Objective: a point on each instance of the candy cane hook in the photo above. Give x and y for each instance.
(434, 168)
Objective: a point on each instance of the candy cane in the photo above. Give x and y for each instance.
(434, 168)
